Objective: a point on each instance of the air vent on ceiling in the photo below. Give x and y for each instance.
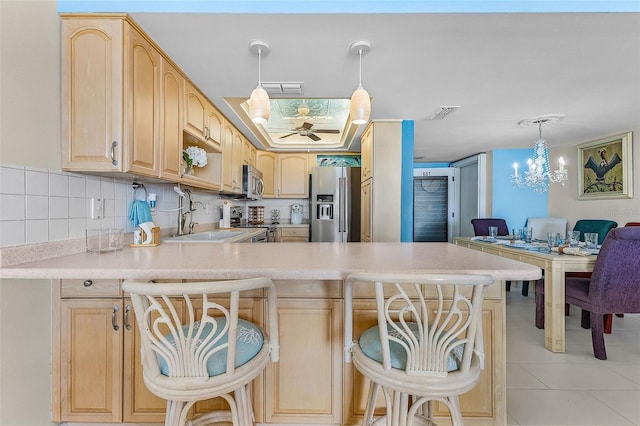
(286, 88)
(442, 112)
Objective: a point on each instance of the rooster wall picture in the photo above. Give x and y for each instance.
(603, 169)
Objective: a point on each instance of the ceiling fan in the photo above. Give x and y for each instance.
(306, 130)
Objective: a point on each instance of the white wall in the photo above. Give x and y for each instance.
(29, 135)
(563, 202)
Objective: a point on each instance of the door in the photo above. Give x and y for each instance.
(434, 206)
(471, 187)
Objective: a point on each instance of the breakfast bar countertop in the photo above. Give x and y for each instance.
(284, 261)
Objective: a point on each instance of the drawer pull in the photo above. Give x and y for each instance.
(87, 283)
(114, 144)
(115, 326)
(126, 317)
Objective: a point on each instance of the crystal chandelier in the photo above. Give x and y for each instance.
(539, 175)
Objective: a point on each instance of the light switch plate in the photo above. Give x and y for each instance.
(96, 208)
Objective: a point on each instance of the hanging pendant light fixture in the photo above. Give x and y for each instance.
(360, 105)
(259, 106)
(539, 174)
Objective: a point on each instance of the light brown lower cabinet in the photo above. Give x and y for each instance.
(477, 405)
(293, 234)
(306, 385)
(97, 374)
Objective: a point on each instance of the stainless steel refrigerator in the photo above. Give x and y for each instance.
(335, 204)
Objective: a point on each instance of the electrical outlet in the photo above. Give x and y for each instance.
(96, 208)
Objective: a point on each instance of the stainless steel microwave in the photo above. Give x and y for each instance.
(252, 184)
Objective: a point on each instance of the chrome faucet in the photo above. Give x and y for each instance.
(189, 208)
(184, 195)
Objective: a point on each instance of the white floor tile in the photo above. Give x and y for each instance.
(627, 403)
(559, 407)
(571, 388)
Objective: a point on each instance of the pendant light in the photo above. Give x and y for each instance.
(360, 105)
(259, 107)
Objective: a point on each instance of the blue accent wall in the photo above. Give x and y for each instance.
(406, 185)
(514, 204)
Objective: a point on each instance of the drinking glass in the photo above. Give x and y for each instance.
(552, 239)
(591, 240)
(528, 235)
(493, 232)
(574, 238)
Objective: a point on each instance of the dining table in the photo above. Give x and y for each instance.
(554, 265)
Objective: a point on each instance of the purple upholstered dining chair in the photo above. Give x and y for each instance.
(614, 285)
(481, 225)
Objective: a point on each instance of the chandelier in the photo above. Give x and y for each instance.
(539, 174)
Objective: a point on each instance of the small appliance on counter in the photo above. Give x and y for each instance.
(296, 214)
(256, 215)
(234, 214)
(275, 217)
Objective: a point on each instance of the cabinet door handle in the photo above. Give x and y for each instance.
(115, 326)
(126, 317)
(114, 144)
(87, 283)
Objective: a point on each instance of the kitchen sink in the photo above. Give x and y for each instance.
(205, 237)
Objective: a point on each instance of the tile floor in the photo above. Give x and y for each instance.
(571, 388)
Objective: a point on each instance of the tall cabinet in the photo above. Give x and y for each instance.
(381, 181)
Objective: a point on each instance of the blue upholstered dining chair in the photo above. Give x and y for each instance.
(601, 226)
(614, 285)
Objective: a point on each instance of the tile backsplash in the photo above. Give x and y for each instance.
(38, 206)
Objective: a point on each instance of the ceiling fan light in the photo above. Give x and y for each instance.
(360, 106)
(259, 106)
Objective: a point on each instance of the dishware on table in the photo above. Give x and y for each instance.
(528, 235)
(552, 239)
(574, 238)
(591, 240)
(517, 234)
(493, 232)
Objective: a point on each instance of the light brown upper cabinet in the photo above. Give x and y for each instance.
(171, 112)
(232, 152)
(248, 153)
(203, 121)
(293, 175)
(266, 162)
(111, 108)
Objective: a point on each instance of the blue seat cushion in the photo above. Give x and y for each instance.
(371, 347)
(249, 341)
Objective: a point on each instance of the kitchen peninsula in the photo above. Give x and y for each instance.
(311, 383)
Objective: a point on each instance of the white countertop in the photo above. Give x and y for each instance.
(287, 261)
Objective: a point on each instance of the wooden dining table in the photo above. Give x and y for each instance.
(554, 266)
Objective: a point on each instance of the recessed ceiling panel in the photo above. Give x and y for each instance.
(313, 124)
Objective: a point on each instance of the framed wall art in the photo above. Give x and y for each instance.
(606, 168)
